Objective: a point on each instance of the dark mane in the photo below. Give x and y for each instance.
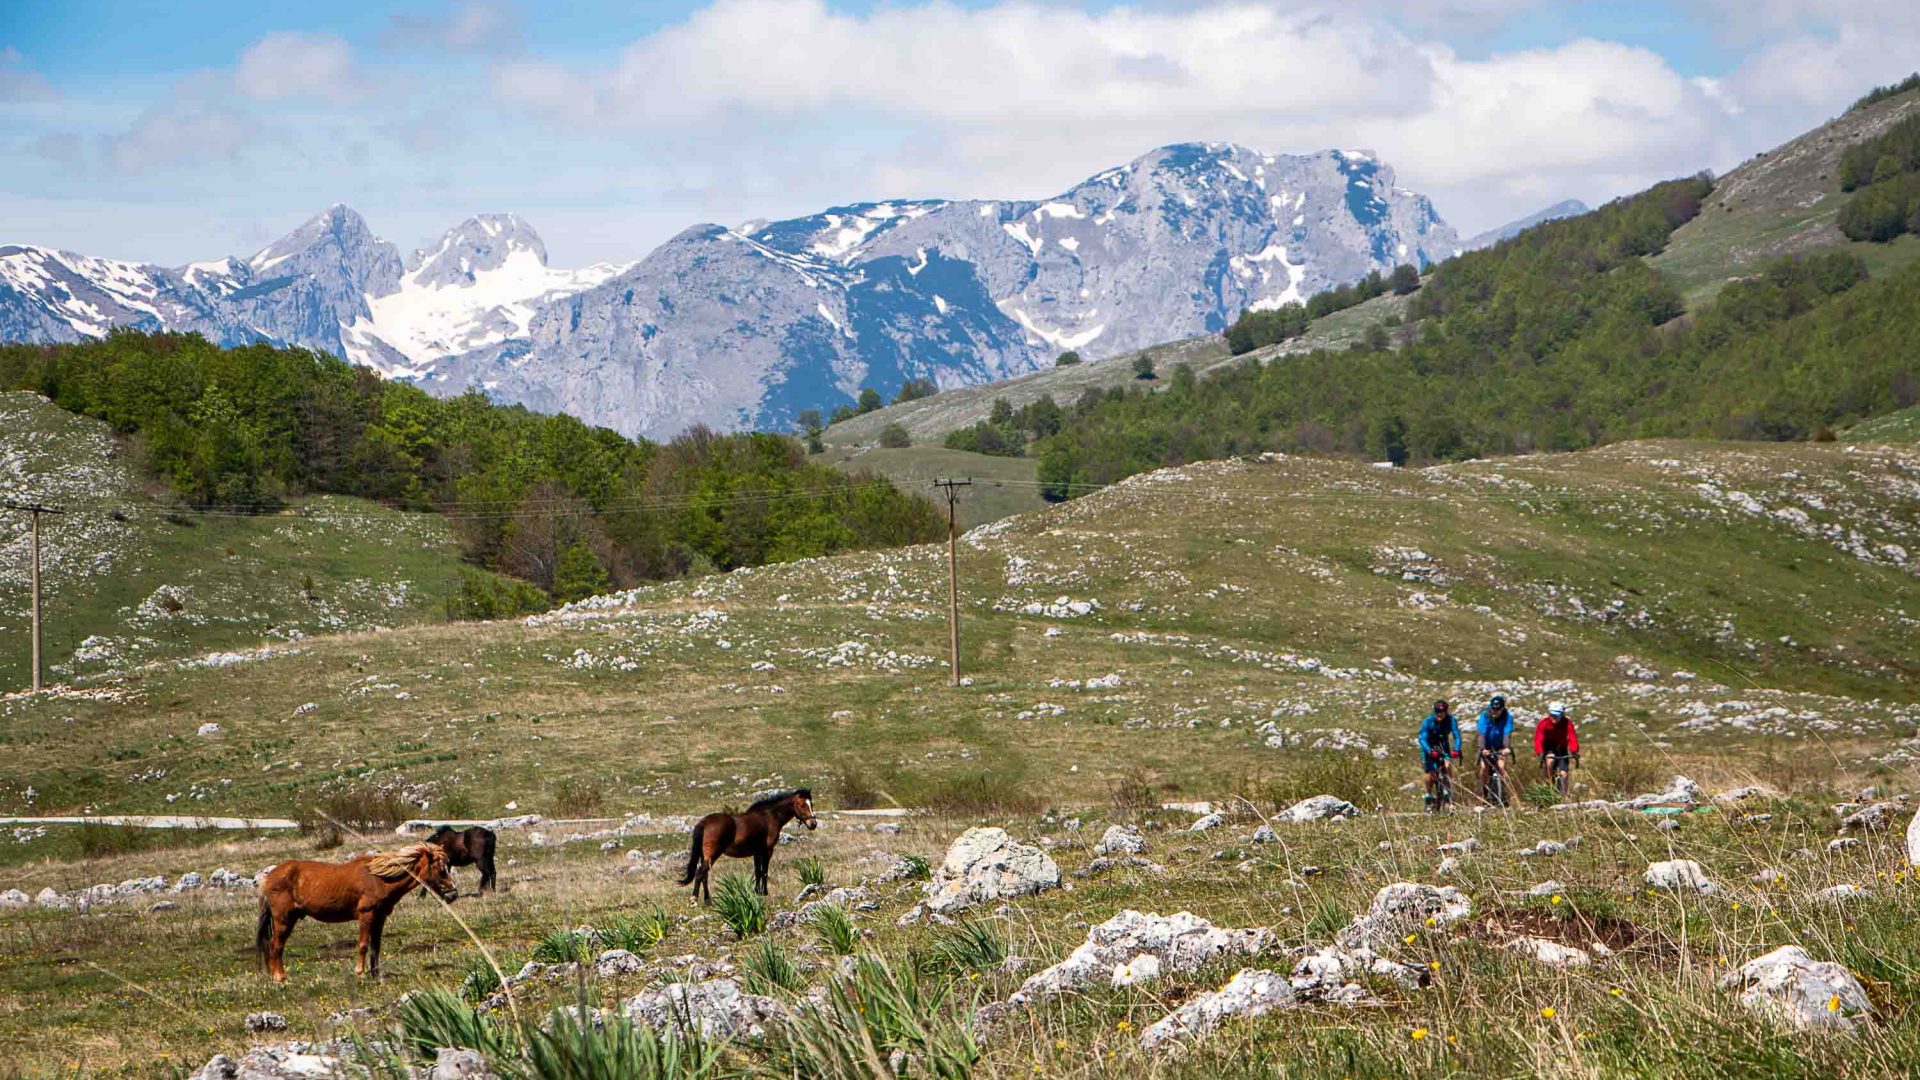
(765, 801)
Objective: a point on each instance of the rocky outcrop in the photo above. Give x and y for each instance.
(1179, 943)
(1680, 875)
(1400, 907)
(717, 1008)
(1319, 808)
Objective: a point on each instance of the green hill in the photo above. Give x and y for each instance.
(130, 578)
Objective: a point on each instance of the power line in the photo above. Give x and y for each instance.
(33, 512)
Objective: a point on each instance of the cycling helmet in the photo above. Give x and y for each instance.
(1557, 709)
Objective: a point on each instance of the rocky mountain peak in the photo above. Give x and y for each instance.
(477, 245)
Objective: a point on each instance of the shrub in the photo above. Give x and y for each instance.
(1143, 367)
(915, 389)
(835, 929)
(1133, 793)
(742, 909)
(895, 437)
(1066, 359)
(491, 596)
(856, 790)
(349, 811)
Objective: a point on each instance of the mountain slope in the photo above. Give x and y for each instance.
(1563, 208)
(745, 327)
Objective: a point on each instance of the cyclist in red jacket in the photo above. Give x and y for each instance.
(1556, 744)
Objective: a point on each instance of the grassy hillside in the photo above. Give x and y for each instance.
(1739, 613)
(1003, 486)
(1782, 202)
(129, 579)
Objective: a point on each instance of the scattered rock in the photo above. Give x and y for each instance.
(458, 1063)
(1251, 992)
(1121, 840)
(284, 1061)
(1810, 995)
(1841, 893)
(1319, 808)
(1401, 905)
(1448, 867)
(718, 1008)
(1844, 843)
(1263, 835)
(208, 728)
(1140, 969)
(1875, 818)
(1547, 888)
(266, 1021)
(1913, 840)
(618, 962)
(1682, 874)
(1461, 847)
(1550, 953)
(1180, 943)
(1327, 973)
(985, 864)
(1210, 821)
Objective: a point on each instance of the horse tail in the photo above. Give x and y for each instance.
(263, 930)
(693, 854)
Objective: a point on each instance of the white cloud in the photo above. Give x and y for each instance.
(290, 64)
(19, 81)
(182, 130)
(477, 26)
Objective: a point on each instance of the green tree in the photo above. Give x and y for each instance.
(1066, 359)
(1405, 279)
(895, 437)
(915, 389)
(1143, 367)
(870, 400)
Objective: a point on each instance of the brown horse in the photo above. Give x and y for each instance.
(364, 888)
(468, 847)
(751, 834)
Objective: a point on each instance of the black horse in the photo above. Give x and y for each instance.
(468, 847)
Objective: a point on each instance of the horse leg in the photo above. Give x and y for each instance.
(379, 927)
(366, 943)
(760, 862)
(281, 930)
(486, 866)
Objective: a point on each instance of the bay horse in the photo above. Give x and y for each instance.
(468, 847)
(365, 888)
(752, 834)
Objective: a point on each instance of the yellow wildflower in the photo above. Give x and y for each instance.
(1418, 1033)
(1547, 1013)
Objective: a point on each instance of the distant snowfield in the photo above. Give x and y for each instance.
(425, 323)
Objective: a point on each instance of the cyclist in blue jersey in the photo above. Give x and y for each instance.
(1439, 741)
(1495, 732)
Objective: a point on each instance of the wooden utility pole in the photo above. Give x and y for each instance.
(952, 488)
(33, 544)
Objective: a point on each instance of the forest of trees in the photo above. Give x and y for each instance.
(545, 499)
(1007, 430)
(1255, 329)
(1884, 175)
(1558, 339)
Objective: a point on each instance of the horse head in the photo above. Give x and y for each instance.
(432, 871)
(803, 808)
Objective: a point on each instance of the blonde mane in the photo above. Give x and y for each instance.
(398, 864)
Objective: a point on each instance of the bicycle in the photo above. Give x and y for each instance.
(1559, 769)
(1494, 790)
(1442, 794)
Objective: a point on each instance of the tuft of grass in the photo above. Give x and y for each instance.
(1133, 793)
(835, 929)
(769, 968)
(1540, 794)
(967, 946)
(636, 933)
(870, 1018)
(477, 979)
(742, 909)
(564, 946)
(917, 867)
(812, 870)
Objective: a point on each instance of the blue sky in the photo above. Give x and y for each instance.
(179, 131)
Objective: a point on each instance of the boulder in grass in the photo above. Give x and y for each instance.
(985, 864)
(1788, 986)
(1400, 906)
(717, 1008)
(1913, 840)
(1681, 875)
(1121, 840)
(1550, 953)
(1179, 943)
(1319, 808)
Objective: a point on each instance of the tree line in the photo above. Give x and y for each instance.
(1561, 338)
(1884, 175)
(569, 508)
